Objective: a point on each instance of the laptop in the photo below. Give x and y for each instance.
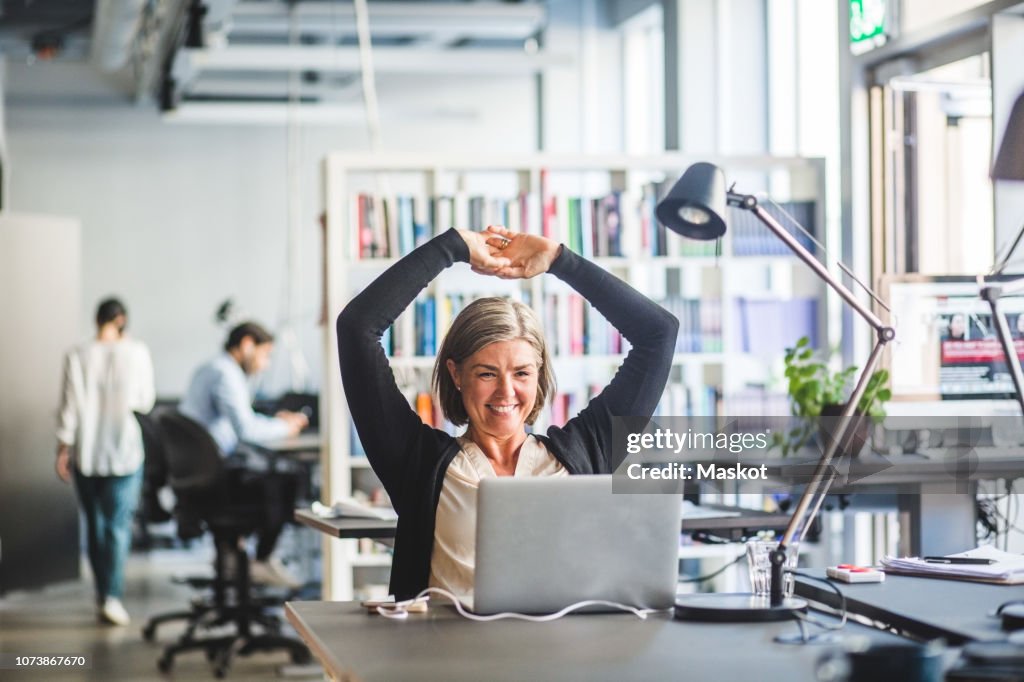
(545, 543)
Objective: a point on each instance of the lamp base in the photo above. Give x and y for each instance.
(735, 608)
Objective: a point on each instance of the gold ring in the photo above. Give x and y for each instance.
(505, 241)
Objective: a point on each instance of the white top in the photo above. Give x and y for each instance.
(104, 382)
(454, 555)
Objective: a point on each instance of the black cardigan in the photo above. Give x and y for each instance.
(411, 457)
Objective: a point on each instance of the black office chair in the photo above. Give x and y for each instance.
(154, 477)
(197, 475)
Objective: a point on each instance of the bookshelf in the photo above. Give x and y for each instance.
(738, 301)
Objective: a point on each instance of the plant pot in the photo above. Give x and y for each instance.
(856, 435)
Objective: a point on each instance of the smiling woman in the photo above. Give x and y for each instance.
(493, 375)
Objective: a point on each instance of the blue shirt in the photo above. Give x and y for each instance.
(218, 398)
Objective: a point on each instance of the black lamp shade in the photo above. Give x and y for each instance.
(695, 207)
(1009, 163)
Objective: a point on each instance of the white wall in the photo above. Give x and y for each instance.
(178, 218)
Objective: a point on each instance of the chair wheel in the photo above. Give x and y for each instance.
(220, 673)
(149, 633)
(164, 664)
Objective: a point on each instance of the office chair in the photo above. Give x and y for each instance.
(197, 476)
(154, 477)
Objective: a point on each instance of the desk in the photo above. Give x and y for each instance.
(304, 447)
(934, 492)
(302, 450)
(747, 520)
(946, 473)
(925, 607)
(734, 526)
(348, 528)
(441, 644)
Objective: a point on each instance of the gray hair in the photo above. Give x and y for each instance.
(481, 323)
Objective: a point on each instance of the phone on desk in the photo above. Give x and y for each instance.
(418, 606)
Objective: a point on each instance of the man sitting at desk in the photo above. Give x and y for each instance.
(218, 398)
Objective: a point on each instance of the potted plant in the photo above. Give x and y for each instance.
(815, 391)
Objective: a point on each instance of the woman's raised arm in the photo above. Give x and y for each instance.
(388, 427)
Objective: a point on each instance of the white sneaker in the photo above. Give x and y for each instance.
(112, 611)
(273, 572)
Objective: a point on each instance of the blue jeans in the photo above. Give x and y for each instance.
(109, 504)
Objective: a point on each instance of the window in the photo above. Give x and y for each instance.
(935, 155)
(643, 85)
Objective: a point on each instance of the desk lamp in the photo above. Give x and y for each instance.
(695, 208)
(1009, 165)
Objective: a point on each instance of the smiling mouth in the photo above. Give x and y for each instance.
(503, 409)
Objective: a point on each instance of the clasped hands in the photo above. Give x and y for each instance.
(503, 253)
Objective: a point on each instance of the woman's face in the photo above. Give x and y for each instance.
(498, 385)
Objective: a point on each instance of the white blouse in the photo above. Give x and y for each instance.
(103, 383)
(452, 561)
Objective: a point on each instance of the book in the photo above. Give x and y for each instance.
(1007, 569)
(350, 508)
(422, 229)
(425, 407)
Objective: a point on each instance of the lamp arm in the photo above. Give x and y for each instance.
(855, 397)
(992, 294)
(818, 485)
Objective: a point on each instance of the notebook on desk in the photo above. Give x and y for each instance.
(1007, 569)
(545, 543)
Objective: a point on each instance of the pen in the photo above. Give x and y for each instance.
(958, 560)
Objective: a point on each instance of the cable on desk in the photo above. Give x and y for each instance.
(803, 620)
(400, 609)
(995, 524)
(709, 576)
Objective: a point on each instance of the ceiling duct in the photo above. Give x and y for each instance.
(263, 52)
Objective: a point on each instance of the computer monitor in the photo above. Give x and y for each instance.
(946, 358)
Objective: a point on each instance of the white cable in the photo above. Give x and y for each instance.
(369, 81)
(367, 73)
(400, 609)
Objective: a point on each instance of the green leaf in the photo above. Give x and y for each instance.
(808, 371)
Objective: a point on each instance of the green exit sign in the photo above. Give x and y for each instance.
(867, 20)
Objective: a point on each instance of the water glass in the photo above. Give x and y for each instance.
(760, 567)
